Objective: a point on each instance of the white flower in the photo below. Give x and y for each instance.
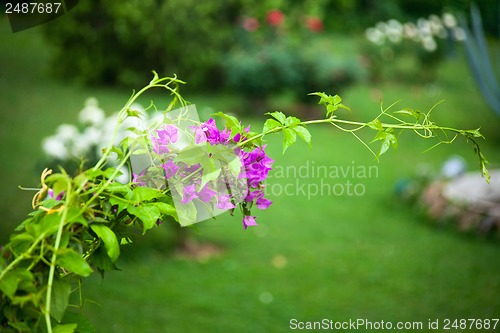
(375, 36)
(394, 36)
(437, 27)
(394, 31)
(91, 113)
(128, 126)
(429, 44)
(55, 148)
(449, 20)
(410, 31)
(424, 27)
(66, 132)
(108, 127)
(395, 25)
(459, 34)
(84, 142)
(92, 136)
(382, 27)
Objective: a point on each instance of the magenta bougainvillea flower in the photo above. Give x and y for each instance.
(52, 195)
(256, 166)
(206, 193)
(263, 203)
(247, 186)
(170, 169)
(189, 194)
(208, 132)
(224, 202)
(164, 136)
(249, 221)
(137, 179)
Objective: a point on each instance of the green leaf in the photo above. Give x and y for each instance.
(235, 166)
(11, 280)
(133, 113)
(100, 259)
(75, 216)
(140, 151)
(211, 170)
(108, 172)
(375, 124)
(119, 153)
(292, 120)
(81, 179)
(116, 187)
(122, 203)
(72, 261)
(323, 98)
(50, 223)
(58, 182)
(61, 289)
(270, 124)
(166, 209)
(405, 112)
(327, 99)
(303, 133)
(410, 112)
(21, 242)
(65, 328)
(109, 239)
(231, 123)
(191, 156)
(19, 326)
(93, 173)
(289, 138)
(278, 115)
(187, 214)
(330, 109)
(148, 214)
(227, 155)
(332, 103)
(388, 139)
(142, 193)
(84, 326)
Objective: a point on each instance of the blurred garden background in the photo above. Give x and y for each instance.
(314, 256)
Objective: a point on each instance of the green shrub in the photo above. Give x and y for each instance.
(121, 42)
(280, 53)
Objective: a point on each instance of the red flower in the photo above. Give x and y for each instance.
(275, 17)
(314, 24)
(250, 24)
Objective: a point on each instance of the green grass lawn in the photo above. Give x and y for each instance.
(330, 256)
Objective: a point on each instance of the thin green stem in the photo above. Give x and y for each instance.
(52, 270)
(122, 115)
(280, 128)
(106, 184)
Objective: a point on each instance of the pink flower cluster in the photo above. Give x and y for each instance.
(246, 190)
